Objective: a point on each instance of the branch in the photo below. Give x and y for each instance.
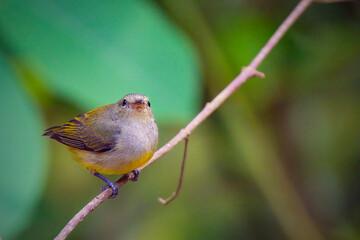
(176, 193)
(210, 107)
(331, 1)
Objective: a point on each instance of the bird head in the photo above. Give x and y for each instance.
(135, 103)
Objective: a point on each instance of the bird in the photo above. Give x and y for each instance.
(117, 138)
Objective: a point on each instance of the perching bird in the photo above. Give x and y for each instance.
(113, 139)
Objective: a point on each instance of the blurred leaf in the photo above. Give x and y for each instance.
(242, 36)
(325, 55)
(22, 165)
(94, 52)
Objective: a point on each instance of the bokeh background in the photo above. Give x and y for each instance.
(279, 160)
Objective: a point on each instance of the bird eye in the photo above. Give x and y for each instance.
(124, 102)
(149, 103)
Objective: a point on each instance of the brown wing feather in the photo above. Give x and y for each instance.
(78, 134)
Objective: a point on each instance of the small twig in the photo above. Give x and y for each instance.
(254, 72)
(176, 193)
(331, 1)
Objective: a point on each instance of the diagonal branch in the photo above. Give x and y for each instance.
(331, 1)
(210, 107)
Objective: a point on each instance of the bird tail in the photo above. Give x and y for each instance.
(50, 131)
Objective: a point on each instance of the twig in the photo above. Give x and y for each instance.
(89, 208)
(176, 193)
(210, 107)
(331, 1)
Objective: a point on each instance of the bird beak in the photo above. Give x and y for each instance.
(139, 105)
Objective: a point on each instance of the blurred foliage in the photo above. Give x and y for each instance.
(279, 160)
(23, 162)
(84, 50)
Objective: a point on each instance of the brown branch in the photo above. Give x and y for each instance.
(176, 193)
(331, 1)
(246, 73)
(89, 208)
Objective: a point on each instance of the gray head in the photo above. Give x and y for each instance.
(135, 103)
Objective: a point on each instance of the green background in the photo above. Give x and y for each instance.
(279, 160)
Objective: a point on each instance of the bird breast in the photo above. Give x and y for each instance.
(136, 139)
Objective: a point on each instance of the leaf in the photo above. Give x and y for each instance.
(22, 164)
(95, 52)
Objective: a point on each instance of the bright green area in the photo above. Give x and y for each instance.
(22, 165)
(94, 52)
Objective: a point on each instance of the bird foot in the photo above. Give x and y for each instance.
(135, 176)
(114, 189)
(109, 183)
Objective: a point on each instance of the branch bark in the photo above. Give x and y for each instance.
(246, 73)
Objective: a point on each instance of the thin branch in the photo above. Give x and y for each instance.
(279, 33)
(331, 1)
(176, 193)
(89, 208)
(210, 107)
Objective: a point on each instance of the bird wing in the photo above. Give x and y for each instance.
(86, 132)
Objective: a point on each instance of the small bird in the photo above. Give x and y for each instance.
(116, 138)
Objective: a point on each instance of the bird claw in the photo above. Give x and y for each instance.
(115, 191)
(135, 177)
(110, 184)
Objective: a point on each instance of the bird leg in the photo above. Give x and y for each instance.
(109, 183)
